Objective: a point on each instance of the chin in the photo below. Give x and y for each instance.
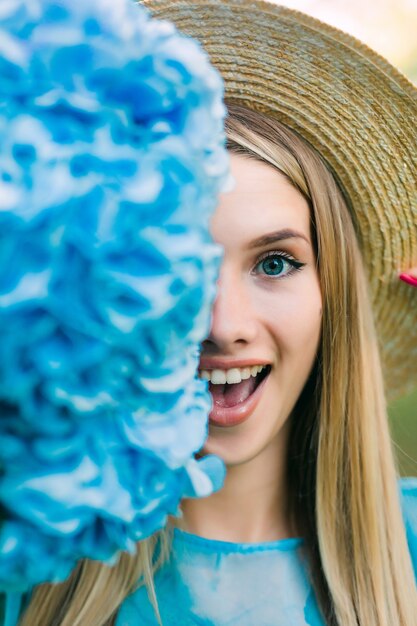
(237, 446)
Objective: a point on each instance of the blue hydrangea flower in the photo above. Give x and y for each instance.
(112, 157)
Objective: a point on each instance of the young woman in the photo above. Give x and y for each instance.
(312, 525)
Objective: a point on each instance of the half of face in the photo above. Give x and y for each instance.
(266, 319)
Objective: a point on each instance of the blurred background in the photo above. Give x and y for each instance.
(390, 28)
(387, 26)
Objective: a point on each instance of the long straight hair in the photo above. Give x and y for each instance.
(341, 470)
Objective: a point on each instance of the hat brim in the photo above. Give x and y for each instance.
(360, 114)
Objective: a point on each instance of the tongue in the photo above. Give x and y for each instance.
(230, 395)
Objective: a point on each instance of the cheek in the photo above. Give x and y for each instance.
(293, 318)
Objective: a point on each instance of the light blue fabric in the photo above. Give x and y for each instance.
(12, 608)
(215, 583)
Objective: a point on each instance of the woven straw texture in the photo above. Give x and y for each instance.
(357, 110)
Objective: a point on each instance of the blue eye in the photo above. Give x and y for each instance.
(276, 265)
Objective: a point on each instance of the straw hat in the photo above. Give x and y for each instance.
(357, 110)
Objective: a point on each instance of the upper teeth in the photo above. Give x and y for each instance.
(234, 375)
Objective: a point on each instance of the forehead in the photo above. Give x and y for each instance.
(261, 201)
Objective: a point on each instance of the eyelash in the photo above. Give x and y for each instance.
(296, 266)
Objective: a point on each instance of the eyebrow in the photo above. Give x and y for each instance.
(278, 235)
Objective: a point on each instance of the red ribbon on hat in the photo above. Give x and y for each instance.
(410, 277)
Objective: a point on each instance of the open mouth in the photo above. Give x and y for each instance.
(229, 395)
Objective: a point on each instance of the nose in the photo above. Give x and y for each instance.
(234, 322)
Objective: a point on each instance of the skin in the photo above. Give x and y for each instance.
(274, 318)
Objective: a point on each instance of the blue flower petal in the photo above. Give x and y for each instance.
(109, 172)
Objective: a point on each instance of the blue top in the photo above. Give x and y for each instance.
(216, 583)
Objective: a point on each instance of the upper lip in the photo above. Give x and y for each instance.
(213, 363)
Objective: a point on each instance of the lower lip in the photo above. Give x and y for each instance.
(234, 415)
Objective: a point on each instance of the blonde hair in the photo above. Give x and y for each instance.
(341, 470)
(94, 591)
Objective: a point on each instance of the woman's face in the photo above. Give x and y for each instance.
(267, 312)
